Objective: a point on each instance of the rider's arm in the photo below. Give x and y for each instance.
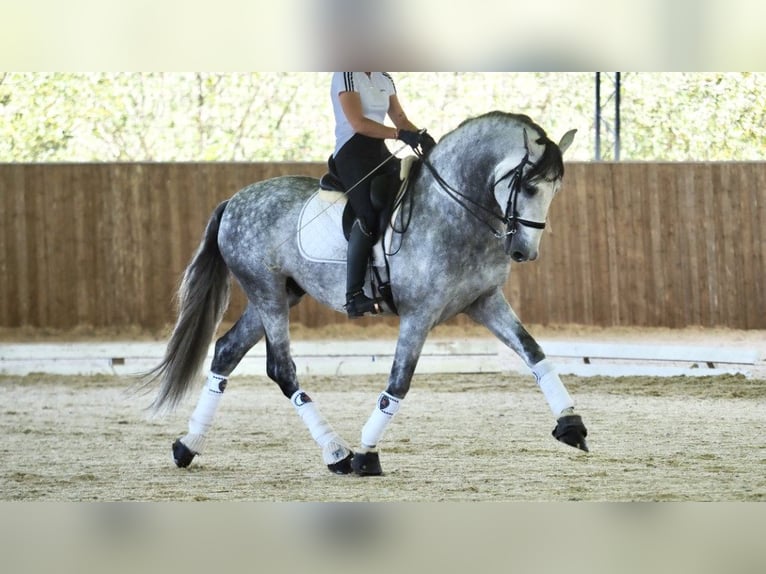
(351, 103)
(397, 115)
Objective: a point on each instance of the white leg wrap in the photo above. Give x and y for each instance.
(372, 432)
(553, 389)
(203, 414)
(334, 449)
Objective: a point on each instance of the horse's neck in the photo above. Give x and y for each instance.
(469, 174)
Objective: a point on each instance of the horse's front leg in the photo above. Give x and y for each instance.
(412, 336)
(494, 312)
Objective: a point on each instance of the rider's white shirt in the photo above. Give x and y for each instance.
(374, 92)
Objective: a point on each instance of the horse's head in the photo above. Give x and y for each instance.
(524, 188)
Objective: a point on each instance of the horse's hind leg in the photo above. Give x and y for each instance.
(273, 305)
(229, 351)
(281, 369)
(496, 314)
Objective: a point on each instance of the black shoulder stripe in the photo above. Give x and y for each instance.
(348, 78)
(387, 75)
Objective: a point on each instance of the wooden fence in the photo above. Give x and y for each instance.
(639, 244)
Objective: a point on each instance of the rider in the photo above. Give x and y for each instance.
(360, 102)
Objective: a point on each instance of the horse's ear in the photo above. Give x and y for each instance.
(567, 140)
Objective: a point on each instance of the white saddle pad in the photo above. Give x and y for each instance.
(320, 225)
(320, 230)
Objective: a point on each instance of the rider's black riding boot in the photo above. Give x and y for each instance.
(359, 246)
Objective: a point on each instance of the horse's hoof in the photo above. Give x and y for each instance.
(182, 455)
(570, 430)
(366, 464)
(342, 466)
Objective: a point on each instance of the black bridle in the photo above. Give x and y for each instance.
(510, 218)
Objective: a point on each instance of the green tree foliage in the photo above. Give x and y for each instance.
(57, 117)
(695, 116)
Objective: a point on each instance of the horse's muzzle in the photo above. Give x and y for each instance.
(518, 253)
(520, 257)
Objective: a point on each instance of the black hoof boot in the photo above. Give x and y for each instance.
(358, 305)
(571, 431)
(342, 466)
(366, 464)
(182, 455)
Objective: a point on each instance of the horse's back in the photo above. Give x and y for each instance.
(276, 195)
(260, 217)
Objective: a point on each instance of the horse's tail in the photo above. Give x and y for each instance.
(203, 297)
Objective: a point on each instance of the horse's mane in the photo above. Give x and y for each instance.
(550, 164)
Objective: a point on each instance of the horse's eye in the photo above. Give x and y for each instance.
(530, 189)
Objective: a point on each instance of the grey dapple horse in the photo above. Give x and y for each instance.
(478, 202)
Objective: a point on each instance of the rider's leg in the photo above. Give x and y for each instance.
(360, 244)
(359, 167)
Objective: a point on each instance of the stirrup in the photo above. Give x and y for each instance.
(358, 305)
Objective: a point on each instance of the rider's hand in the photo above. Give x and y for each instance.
(412, 139)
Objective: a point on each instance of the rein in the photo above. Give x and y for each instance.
(510, 218)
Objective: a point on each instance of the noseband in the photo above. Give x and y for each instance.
(511, 217)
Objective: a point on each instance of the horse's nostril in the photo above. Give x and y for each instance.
(518, 256)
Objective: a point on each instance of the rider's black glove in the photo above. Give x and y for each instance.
(412, 139)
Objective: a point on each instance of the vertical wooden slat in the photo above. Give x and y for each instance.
(616, 312)
(693, 212)
(158, 283)
(115, 232)
(627, 257)
(746, 256)
(652, 187)
(177, 219)
(599, 199)
(60, 244)
(100, 220)
(136, 196)
(682, 263)
(14, 253)
(140, 249)
(581, 251)
(7, 280)
(83, 248)
(708, 244)
(672, 251)
(653, 244)
(37, 211)
(756, 197)
(628, 198)
(714, 241)
(726, 232)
